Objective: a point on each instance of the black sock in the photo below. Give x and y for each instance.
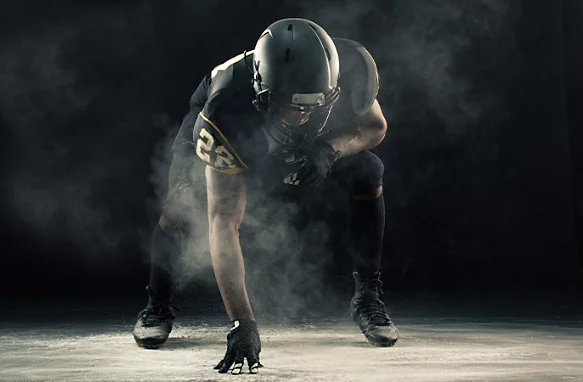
(367, 226)
(163, 252)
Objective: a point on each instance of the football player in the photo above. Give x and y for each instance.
(300, 97)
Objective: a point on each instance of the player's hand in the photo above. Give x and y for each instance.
(317, 159)
(242, 342)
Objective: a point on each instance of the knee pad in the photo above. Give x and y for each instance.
(359, 174)
(374, 170)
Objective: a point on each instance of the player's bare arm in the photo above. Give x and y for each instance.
(367, 132)
(226, 207)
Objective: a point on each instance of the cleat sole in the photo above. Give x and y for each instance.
(152, 346)
(384, 344)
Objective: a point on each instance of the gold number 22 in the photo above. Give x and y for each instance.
(206, 144)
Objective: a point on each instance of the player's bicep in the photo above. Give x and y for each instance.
(373, 121)
(213, 148)
(226, 196)
(373, 117)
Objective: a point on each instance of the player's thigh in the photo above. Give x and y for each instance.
(183, 196)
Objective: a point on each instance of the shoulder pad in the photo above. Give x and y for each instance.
(230, 77)
(358, 74)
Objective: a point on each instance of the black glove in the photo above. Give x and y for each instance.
(242, 342)
(317, 159)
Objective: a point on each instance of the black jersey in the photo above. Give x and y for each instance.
(228, 132)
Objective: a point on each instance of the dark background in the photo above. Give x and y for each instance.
(484, 154)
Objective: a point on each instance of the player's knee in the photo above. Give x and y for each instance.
(376, 168)
(369, 183)
(173, 227)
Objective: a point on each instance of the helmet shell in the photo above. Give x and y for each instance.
(297, 61)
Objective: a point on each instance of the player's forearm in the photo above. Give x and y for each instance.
(362, 137)
(229, 268)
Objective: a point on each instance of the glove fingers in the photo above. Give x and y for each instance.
(222, 362)
(219, 365)
(301, 175)
(253, 363)
(238, 366)
(292, 179)
(293, 159)
(227, 362)
(311, 180)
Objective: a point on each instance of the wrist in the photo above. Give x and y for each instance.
(332, 153)
(245, 322)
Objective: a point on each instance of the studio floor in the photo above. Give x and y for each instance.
(65, 343)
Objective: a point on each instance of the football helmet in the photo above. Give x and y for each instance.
(296, 74)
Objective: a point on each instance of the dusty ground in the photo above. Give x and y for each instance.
(78, 345)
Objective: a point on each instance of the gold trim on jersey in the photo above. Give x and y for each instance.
(230, 171)
(229, 62)
(224, 139)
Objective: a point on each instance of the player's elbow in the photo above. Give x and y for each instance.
(377, 130)
(225, 216)
(375, 124)
(381, 129)
(223, 222)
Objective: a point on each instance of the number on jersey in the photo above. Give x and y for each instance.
(215, 155)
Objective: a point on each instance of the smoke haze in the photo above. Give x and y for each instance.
(91, 97)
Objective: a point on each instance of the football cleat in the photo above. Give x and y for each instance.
(369, 312)
(154, 323)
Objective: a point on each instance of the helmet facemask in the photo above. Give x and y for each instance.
(297, 123)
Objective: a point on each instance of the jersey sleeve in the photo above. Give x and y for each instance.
(359, 77)
(213, 145)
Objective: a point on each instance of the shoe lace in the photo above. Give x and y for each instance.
(158, 313)
(370, 304)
